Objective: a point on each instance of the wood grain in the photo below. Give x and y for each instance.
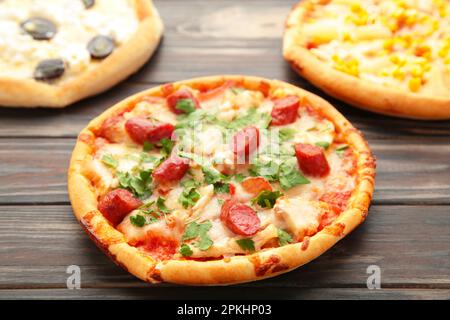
(38, 243)
(407, 232)
(409, 171)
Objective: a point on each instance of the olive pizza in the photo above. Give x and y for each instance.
(391, 57)
(219, 180)
(55, 52)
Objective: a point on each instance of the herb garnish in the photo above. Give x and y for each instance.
(267, 199)
(246, 244)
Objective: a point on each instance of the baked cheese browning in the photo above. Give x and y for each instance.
(208, 174)
(402, 44)
(66, 35)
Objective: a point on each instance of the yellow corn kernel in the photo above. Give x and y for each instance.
(399, 74)
(416, 71)
(415, 84)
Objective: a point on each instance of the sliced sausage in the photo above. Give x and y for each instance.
(116, 204)
(312, 160)
(255, 185)
(171, 170)
(142, 130)
(182, 94)
(240, 218)
(245, 142)
(285, 111)
(112, 129)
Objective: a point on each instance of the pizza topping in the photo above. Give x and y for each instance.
(285, 110)
(267, 199)
(197, 195)
(143, 130)
(256, 185)
(49, 69)
(171, 170)
(240, 218)
(100, 46)
(182, 101)
(39, 28)
(245, 142)
(312, 160)
(116, 204)
(88, 3)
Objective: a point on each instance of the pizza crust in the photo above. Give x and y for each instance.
(99, 76)
(238, 269)
(357, 92)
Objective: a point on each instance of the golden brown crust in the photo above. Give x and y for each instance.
(263, 264)
(359, 93)
(99, 77)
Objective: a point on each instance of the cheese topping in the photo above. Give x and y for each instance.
(269, 189)
(403, 44)
(76, 26)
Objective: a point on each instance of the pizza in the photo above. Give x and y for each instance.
(56, 52)
(390, 57)
(219, 180)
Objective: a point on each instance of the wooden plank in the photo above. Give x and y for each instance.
(204, 40)
(222, 293)
(412, 172)
(408, 243)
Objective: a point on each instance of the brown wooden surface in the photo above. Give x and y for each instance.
(407, 233)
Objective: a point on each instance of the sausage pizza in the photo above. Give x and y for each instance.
(219, 180)
(391, 57)
(55, 52)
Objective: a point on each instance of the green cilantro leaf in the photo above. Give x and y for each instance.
(139, 185)
(290, 176)
(341, 149)
(239, 177)
(267, 199)
(246, 244)
(211, 175)
(220, 187)
(137, 220)
(148, 146)
(196, 230)
(185, 105)
(166, 146)
(185, 250)
(286, 134)
(160, 204)
(252, 117)
(323, 144)
(284, 238)
(108, 160)
(189, 197)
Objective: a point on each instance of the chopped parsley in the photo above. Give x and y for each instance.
(166, 146)
(138, 220)
(267, 199)
(190, 195)
(341, 149)
(221, 187)
(198, 231)
(252, 117)
(161, 205)
(185, 250)
(185, 105)
(323, 144)
(139, 184)
(110, 161)
(246, 244)
(286, 134)
(148, 146)
(284, 238)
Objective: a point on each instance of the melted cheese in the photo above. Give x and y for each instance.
(393, 43)
(20, 53)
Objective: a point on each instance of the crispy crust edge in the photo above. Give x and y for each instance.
(237, 269)
(123, 62)
(359, 93)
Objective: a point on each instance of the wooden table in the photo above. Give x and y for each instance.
(407, 232)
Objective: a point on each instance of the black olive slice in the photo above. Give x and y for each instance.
(39, 28)
(49, 69)
(88, 3)
(100, 47)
